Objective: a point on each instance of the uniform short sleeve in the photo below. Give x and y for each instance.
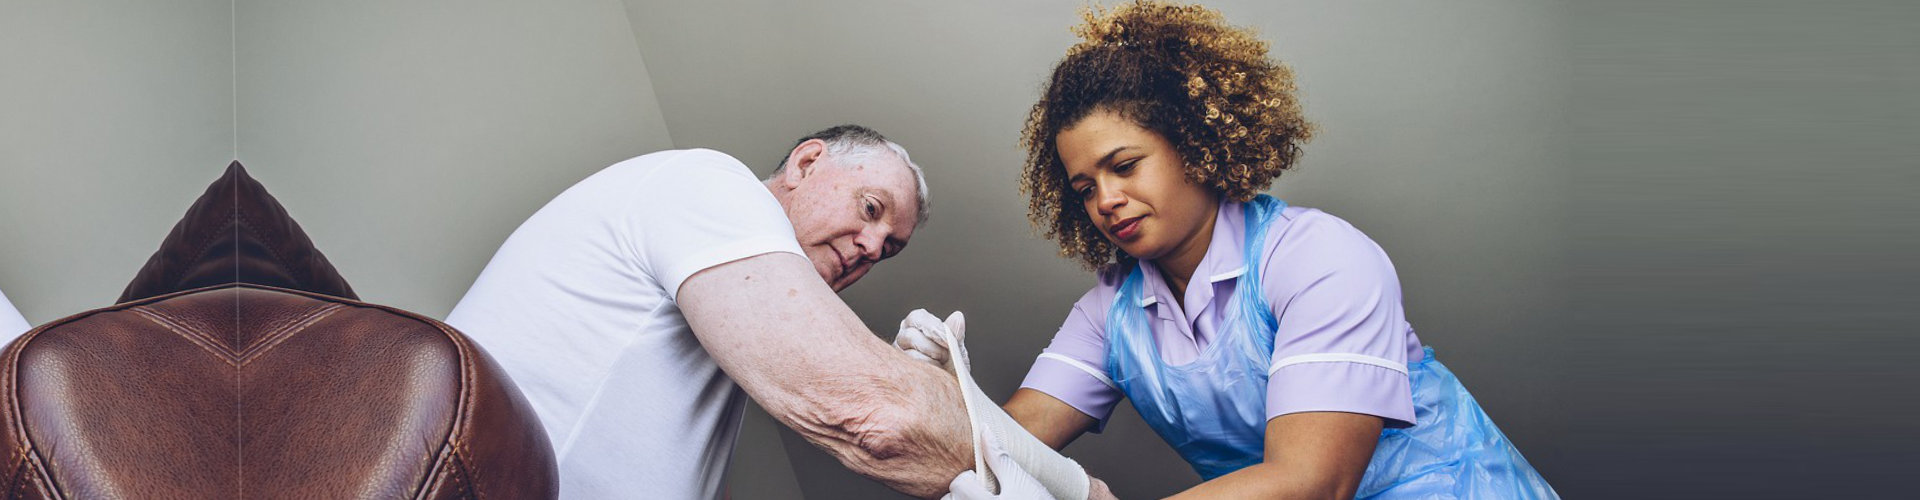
(1073, 368)
(702, 209)
(1342, 338)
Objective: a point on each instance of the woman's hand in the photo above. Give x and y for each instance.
(1005, 479)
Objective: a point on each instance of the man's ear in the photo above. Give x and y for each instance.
(802, 160)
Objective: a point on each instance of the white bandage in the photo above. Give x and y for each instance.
(1063, 477)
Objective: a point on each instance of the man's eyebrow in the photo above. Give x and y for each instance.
(886, 198)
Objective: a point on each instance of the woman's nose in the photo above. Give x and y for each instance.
(1108, 200)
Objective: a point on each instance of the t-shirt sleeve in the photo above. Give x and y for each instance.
(701, 210)
(1073, 368)
(1342, 338)
(11, 323)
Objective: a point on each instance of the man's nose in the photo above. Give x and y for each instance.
(871, 243)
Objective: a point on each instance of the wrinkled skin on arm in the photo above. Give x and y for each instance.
(795, 348)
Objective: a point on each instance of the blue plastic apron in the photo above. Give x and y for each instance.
(1213, 410)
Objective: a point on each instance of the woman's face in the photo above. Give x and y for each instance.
(1133, 186)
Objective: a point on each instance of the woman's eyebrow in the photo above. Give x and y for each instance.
(1106, 159)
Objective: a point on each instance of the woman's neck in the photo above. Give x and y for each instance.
(1177, 266)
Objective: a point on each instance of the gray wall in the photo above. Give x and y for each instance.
(390, 130)
(1660, 243)
(409, 138)
(114, 115)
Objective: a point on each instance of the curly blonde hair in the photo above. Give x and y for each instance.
(1181, 72)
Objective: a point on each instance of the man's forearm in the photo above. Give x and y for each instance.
(780, 333)
(904, 429)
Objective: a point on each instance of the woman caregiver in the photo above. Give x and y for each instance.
(1265, 342)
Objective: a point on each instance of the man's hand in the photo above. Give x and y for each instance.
(919, 337)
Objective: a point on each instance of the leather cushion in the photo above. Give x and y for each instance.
(245, 391)
(238, 365)
(236, 233)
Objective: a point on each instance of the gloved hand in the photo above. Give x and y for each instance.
(918, 337)
(1054, 475)
(1013, 482)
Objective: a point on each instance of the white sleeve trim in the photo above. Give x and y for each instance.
(1337, 357)
(1096, 373)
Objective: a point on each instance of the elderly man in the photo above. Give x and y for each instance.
(628, 308)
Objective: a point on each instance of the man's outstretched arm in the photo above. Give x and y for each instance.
(782, 334)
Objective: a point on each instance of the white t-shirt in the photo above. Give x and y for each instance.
(578, 306)
(11, 323)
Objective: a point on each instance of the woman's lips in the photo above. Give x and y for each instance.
(1126, 229)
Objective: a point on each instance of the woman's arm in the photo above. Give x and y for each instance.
(1053, 421)
(1308, 455)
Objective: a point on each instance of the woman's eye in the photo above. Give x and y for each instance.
(1084, 192)
(1125, 167)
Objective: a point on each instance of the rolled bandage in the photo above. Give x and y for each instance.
(1062, 477)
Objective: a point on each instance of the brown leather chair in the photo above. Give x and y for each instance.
(239, 365)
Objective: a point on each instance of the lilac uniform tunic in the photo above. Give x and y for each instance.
(1343, 341)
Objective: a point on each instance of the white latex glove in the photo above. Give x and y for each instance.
(940, 343)
(1014, 482)
(918, 339)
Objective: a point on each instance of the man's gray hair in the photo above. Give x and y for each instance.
(857, 142)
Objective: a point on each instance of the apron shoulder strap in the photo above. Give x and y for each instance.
(1261, 212)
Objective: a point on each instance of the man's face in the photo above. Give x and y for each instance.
(849, 212)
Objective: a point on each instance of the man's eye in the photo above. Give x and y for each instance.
(872, 211)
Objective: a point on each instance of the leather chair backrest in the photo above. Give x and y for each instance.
(239, 366)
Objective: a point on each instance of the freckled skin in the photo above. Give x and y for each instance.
(827, 198)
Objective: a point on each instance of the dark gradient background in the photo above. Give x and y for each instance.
(1742, 314)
